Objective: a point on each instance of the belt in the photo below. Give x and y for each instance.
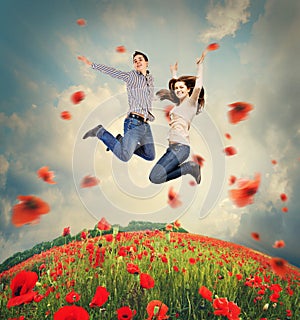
(136, 116)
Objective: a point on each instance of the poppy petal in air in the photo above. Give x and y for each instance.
(239, 111)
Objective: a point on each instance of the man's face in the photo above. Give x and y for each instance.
(140, 64)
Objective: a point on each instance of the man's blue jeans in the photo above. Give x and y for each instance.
(137, 140)
(168, 166)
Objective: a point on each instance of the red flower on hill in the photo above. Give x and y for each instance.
(66, 231)
(22, 288)
(226, 308)
(71, 313)
(239, 111)
(245, 193)
(103, 225)
(100, 297)
(146, 281)
(205, 293)
(125, 313)
(72, 297)
(157, 310)
(89, 181)
(133, 268)
(77, 97)
(28, 210)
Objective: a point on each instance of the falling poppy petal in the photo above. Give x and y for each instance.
(279, 244)
(212, 47)
(227, 136)
(244, 195)
(283, 197)
(232, 180)
(198, 159)
(274, 162)
(239, 111)
(81, 22)
(89, 181)
(173, 198)
(66, 115)
(255, 236)
(28, 210)
(77, 97)
(46, 175)
(121, 49)
(285, 209)
(230, 151)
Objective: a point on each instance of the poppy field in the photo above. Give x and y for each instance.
(158, 274)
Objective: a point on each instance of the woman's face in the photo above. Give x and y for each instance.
(181, 90)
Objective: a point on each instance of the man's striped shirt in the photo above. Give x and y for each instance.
(140, 88)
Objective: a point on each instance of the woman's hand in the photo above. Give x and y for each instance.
(174, 69)
(85, 60)
(201, 59)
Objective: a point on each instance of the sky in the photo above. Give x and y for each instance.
(256, 63)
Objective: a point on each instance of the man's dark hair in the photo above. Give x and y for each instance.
(140, 53)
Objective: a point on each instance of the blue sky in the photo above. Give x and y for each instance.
(256, 62)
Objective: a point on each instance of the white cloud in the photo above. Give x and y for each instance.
(225, 19)
(4, 165)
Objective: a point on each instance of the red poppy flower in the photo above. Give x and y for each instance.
(71, 312)
(89, 181)
(279, 244)
(239, 111)
(169, 227)
(177, 224)
(205, 293)
(28, 210)
(225, 308)
(283, 197)
(121, 49)
(255, 236)
(279, 266)
(125, 313)
(285, 209)
(245, 193)
(232, 180)
(72, 297)
(173, 198)
(198, 159)
(103, 225)
(133, 268)
(167, 111)
(66, 115)
(81, 22)
(100, 297)
(21, 287)
(46, 175)
(146, 281)
(77, 97)
(212, 47)
(66, 231)
(157, 310)
(227, 136)
(230, 151)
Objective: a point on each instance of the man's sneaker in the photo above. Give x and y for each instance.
(118, 137)
(92, 132)
(196, 171)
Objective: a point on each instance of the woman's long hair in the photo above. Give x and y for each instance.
(165, 94)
